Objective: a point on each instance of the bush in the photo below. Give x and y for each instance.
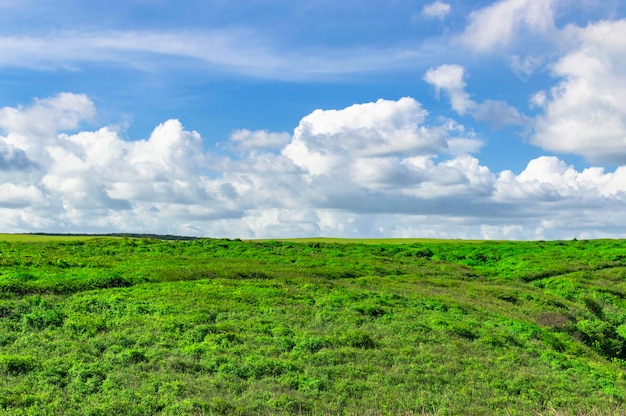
(16, 364)
(40, 319)
(359, 339)
(371, 310)
(602, 337)
(111, 281)
(313, 344)
(133, 356)
(420, 253)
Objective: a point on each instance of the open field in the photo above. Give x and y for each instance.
(37, 238)
(104, 326)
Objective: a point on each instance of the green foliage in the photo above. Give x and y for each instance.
(358, 339)
(99, 326)
(16, 364)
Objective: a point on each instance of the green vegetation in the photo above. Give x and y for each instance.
(106, 326)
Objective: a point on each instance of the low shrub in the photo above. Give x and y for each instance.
(17, 364)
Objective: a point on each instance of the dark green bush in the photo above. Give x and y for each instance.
(371, 310)
(17, 364)
(358, 339)
(602, 336)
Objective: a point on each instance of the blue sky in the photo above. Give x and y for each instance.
(503, 119)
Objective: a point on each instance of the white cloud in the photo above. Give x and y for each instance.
(17, 196)
(327, 140)
(48, 115)
(88, 175)
(450, 80)
(373, 169)
(550, 179)
(259, 139)
(464, 146)
(231, 50)
(437, 10)
(526, 65)
(498, 25)
(498, 114)
(13, 159)
(585, 113)
(538, 100)
(508, 232)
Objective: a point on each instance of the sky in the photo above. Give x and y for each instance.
(280, 119)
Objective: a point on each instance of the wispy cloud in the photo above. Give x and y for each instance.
(436, 10)
(235, 50)
(499, 24)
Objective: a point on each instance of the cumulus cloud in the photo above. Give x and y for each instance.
(17, 196)
(372, 169)
(48, 115)
(549, 179)
(436, 10)
(380, 158)
(571, 203)
(12, 158)
(585, 113)
(87, 176)
(450, 80)
(259, 140)
(327, 140)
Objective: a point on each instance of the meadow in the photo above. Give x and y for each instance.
(143, 326)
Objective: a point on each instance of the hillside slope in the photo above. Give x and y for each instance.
(105, 326)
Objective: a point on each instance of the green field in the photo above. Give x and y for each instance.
(36, 238)
(121, 326)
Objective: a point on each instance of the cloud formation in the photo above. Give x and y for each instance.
(372, 169)
(450, 80)
(499, 24)
(13, 159)
(258, 140)
(436, 10)
(48, 115)
(91, 178)
(380, 168)
(327, 140)
(585, 113)
(242, 51)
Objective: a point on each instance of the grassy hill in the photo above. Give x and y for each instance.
(105, 326)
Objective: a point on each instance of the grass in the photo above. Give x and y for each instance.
(328, 240)
(95, 326)
(38, 238)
